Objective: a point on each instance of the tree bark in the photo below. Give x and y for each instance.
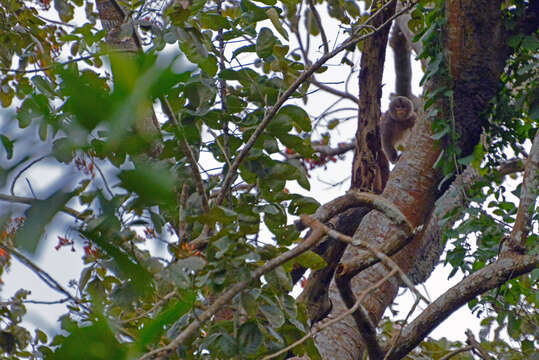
(412, 185)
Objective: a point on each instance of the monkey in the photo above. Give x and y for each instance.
(395, 126)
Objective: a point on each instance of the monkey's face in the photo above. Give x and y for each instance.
(402, 112)
(401, 108)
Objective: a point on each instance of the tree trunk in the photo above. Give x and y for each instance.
(412, 185)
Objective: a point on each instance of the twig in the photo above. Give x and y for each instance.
(335, 320)
(384, 206)
(315, 224)
(32, 163)
(489, 277)
(334, 91)
(405, 321)
(455, 352)
(528, 198)
(184, 146)
(319, 23)
(103, 177)
(43, 275)
(221, 147)
(30, 201)
(477, 346)
(157, 305)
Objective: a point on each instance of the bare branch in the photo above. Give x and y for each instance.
(456, 352)
(319, 23)
(43, 275)
(489, 277)
(186, 149)
(528, 197)
(334, 91)
(477, 346)
(30, 201)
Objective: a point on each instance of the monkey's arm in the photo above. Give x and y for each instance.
(388, 130)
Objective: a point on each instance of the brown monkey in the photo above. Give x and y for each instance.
(395, 126)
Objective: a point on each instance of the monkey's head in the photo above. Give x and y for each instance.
(401, 108)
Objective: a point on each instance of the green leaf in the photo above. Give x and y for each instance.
(172, 312)
(297, 115)
(265, 42)
(250, 338)
(303, 205)
(37, 218)
(273, 15)
(97, 340)
(272, 313)
(44, 86)
(8, 145)
(243, 49)
(152, 181)
(65, 10)
(311, 260)
(214, 21)
(279, 279)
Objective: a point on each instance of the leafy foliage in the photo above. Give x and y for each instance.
(130, 188)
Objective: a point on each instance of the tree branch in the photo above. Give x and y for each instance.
(43, 275)
(489, 277)
(528, 196)
(30, 201)
(226, 296)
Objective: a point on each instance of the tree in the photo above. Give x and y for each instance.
(202, 159)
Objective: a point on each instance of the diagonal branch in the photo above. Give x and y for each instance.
(489, 277)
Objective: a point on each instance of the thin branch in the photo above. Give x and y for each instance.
(221, 147)
(456, 352)
(55, 21)
(186, 149)
(383, 205)
(327, 150)
(528, 198)
(362, 319)
(30, 201)
(319, 23)
(315, 224)
(157, 305)
(334, 91)
(43, 275)
(226, 296)
(335, 320)
(32, 163)
(103, 177)
(477, 346)
(352, 40)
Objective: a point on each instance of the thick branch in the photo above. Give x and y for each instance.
(489, 277)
